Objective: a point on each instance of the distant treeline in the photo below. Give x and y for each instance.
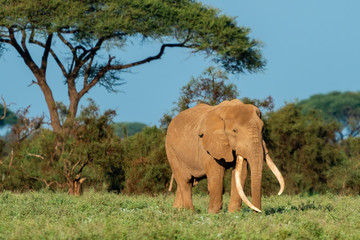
(126, 129)
(304, 145)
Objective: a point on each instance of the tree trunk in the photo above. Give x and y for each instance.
(51, 104)
(75, 187)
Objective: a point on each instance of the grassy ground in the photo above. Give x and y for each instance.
(108, 216)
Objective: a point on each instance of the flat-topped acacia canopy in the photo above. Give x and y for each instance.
(87, 27)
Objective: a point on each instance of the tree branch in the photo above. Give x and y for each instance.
(152, 58)
(23, 42)
(11, 158)
(75, 165)
(35, 155)
(48, 185)
(67, 43)
(23, 53)
(79, 63)
(5, 40)
(53, 54)
(45, 56)
(33, 82)
(86, 55)
(355, 131)
(82, 166)
(4, 115)
(97, 78)
(109, 67)
(87, 71)
(66, 163)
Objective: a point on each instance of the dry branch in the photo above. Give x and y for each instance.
(48, 184)
(35, 155)
(4, 109)
(11, 158)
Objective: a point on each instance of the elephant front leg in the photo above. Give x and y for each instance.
(235, 200)
(215, 178)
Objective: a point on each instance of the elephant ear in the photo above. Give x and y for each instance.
(214, 139)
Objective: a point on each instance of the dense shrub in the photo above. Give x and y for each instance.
(302, 144)
(146, 166)
(49, 160)
(304, 148)
(346, 178)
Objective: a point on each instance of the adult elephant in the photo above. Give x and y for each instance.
(205, 140)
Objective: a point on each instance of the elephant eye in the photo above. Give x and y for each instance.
(234, 130)
(201, 135)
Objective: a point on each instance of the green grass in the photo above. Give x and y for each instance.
(39, 215)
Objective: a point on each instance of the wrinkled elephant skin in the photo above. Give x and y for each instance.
(205, 140)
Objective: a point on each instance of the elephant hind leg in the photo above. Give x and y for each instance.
(178, 203)
(183, 196)
(185, 189)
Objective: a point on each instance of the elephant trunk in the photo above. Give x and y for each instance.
(255, 157)
(238, 171)
(256, 176)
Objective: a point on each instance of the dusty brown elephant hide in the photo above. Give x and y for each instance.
(204, 140)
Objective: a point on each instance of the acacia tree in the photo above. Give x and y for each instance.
(87, 28)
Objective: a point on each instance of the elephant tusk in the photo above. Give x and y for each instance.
(238, 170)
(276, 172)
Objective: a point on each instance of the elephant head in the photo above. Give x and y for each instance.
(233, 132)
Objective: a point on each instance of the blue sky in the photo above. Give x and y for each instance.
(310, 46)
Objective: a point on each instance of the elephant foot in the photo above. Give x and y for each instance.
(215, 207)
(234, 208)
(178, 207)
(214, 210)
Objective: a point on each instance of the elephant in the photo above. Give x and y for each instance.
(202, 141)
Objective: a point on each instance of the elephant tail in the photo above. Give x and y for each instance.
(171, 183)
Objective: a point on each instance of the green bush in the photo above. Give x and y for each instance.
(302, 144)
(346, 178)
(53, 161)
(146, 167)
(304, 148)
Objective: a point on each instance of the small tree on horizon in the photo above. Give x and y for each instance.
(343, 107)
(211, 87)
